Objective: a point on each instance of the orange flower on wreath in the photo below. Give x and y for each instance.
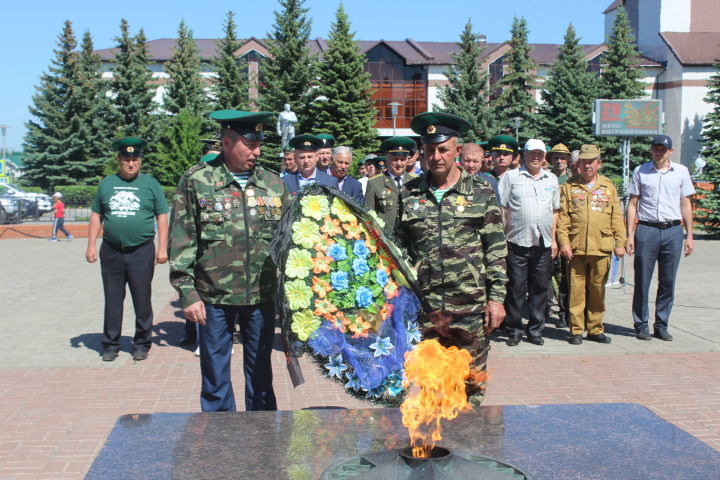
(353, 230)
(321, 263)
(385, 311)
(384, 263)
(339, 321)
(331, 226)
(324, 308)
(359, 327)
(324, 244)
(371, 244)
(320, 287)
(391, 290)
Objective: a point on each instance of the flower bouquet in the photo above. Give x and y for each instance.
(345, 294)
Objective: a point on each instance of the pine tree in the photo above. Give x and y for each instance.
(230, 87)
(186, 89)
(516, 99)
(52, 144)
(467, 93)
(710, 203)
(132, 91)
(621, 79)
(182, 148)
(289, 73)
(568, 96)
(96, 128)
(343, 108)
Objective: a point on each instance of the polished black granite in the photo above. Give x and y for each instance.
(558, 442)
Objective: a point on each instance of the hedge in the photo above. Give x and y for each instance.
(83, 196)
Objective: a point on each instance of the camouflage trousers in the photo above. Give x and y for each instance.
(465, 332)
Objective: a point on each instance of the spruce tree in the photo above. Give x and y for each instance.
(96, 128)
(709, 204)
(467, 93)
(621, 79)
(230, 86)
(516, 99)
(132, 91)
(289, 73)
(186, 88)
(343, 108)
(568, 96)
(52, 144)
(182, 148)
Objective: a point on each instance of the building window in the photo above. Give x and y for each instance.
(394, 81)
(595, 64)
(495, 72)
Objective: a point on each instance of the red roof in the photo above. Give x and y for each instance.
(694, 48)
(613, 6)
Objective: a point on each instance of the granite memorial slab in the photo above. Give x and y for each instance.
(588, 441)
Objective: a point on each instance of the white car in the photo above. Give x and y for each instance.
(44, 202)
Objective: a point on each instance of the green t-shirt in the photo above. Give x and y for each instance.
(128, 208)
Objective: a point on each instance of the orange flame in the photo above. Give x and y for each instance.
(435, 377)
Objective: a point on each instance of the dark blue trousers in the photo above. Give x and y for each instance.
(664, 247)
(257, 326)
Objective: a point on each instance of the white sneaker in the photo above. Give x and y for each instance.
(69, 238)
(197, 351)
(52, 240)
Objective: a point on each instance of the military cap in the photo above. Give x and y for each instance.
(503, 143)
(209, 157)
(306, 142)
(483, 144)
(129, 146)
(328, 141)
(379, 162)
(437, 127)
(398, 146)
(560, 148)
(246, 124)
(212, 143)
(589, 152)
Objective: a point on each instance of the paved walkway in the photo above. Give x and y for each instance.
(58, 401)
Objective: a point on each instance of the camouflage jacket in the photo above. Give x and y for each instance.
(382, 195)
(457, 246)
(220, 235)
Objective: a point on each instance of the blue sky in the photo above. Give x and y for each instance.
(29, 29)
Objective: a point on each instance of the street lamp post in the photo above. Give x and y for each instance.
(3, 131)
(516, 123)
(394, 111)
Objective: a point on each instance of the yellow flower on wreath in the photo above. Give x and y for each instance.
(341, 210)
(315, 206)
(306, 233)
(331, 226)
(304, 323)
(298, 294)
(299, 263)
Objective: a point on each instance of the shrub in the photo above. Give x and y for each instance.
(77, 195)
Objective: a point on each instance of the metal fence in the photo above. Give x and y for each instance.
(15, 209)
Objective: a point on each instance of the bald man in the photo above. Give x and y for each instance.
(471, 159)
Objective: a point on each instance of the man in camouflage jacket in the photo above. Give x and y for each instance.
(452, 228)
(224, 215)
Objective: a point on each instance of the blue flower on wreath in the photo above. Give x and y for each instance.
(381, 278)
(382, 346)
(363, 297)
(337, 252)
(360, 249)
(360, 266)
(375, 393)
(353, 381)
(413, 334)
(336, 367)
(394, 384)
(339, 280)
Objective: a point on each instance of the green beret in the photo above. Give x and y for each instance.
(209, 157)
(130, 146)
(503, 143)
(483, 144)
(398, 146)
(247, 124)
(379, 162)
(328, 141)
(437, 127)
(306, 142)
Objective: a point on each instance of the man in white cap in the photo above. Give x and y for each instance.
(530, 197)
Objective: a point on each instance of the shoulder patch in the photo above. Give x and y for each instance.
(196, 168)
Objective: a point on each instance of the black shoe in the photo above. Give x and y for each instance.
(536, 340)
(187, 341)
(662, 334)
(109, 355)
(140, 354)
(512, 340)
(601, 338)
(643, 334)
(237, 338)
(561, 322)
(575, 339)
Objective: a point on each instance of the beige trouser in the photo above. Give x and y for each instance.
(588, 275)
